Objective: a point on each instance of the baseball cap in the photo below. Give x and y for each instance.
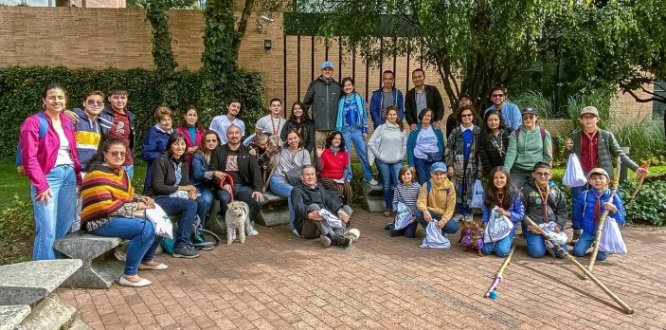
(464, 95)
(597, 171)
(529, 110)
(327, 64)
(438, 167)
(589, 109)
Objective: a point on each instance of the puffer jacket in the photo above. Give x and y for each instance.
(322, 96)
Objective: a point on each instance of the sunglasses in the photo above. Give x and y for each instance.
(542, 173)
(93, 102)
(467, 115)
(117, 153)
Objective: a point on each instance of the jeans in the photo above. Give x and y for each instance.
(130, 171)
(451, 226)
(54, 219)
(187, 209)
(536, 246)
(355, 135)
(575, 192)
(389, 173)
(281, 187)
(422, 168)
(519, 178)
(241, 193)
(585, 241)
(501, 248)
(141, 234)
(204, 202)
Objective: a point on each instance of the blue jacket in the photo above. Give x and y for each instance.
(199, 169)
(154, 145)
(377, 104)
(516, 208)
(361, 121)
(411, 142)
(583, 211)
(510, 113)
(88, 134)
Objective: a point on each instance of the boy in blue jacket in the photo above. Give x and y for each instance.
(589, 207)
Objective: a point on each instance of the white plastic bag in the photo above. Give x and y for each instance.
(559, 238)
(477, 196)
(611, 238)
(330, 219)
(573, 174)
(434, 239)
(161, 222)
(403, 216)
(499, 226)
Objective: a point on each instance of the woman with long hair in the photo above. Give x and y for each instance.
(333, 164)
(501, 199)
(111, 209)
(387, 147)
(191, 130)
(493, 141)
(51, 163)
(292, 156)
(299, 121)
(203, 178)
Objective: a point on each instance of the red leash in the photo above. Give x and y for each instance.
(230, 181)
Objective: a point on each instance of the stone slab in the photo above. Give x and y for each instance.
(12, 315)
(82, 245)
(274, 212)
(28, 282)
(77, 324)
(373, 197)
(51, 313)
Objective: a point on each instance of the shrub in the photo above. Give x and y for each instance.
(645, 138)
(21, 88)
(17, 229)
(649, 206)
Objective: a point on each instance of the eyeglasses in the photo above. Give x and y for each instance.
(542, 173)
(467, 115)
(118, 153)
(93, 102)
(497, 95)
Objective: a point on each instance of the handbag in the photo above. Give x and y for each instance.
(611, 238)
(573, 174)
(499, 227)
(434, 157)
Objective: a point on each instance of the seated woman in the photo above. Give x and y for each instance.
(202, 177)
(425, 146)
(172, 191)
(291, 157)
(300, 121)
(111, 209)
(333, 164)
(436, 202)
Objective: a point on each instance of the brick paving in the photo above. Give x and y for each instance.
(276, 281)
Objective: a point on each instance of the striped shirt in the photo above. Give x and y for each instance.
(407, 195)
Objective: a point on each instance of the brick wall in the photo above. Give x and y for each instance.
(121, 38)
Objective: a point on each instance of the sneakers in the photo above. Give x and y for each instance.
(252, 232)
(204, 246)
(185, 251)
(372, 182)
(353, 233)
(341, 241)
(325, 241)
(388, 226)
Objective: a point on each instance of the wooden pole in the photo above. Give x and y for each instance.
(604, 216)
(500, 272)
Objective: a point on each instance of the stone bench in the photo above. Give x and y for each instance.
(100, 268)
(373, 197)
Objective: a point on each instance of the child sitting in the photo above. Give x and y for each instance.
(406, 192)
(588, 209)
(437, 201)
(501, 198)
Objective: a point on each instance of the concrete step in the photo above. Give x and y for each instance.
(29, 282)
(51, 313)
(11, 316)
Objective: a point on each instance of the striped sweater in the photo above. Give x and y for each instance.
(407, 195)
(104, 191)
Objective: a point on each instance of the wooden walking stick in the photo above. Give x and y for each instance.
(500, 272)
(587, 273)
(602, 219)
(640, 182)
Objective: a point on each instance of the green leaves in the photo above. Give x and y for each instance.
(650, 204)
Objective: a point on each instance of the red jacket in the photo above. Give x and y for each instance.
(333, 164)
(39, 155)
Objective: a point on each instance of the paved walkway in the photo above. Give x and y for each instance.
(276, 281)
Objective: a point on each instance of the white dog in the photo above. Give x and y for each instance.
(235, 218)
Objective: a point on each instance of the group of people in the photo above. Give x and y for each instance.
(308, 161)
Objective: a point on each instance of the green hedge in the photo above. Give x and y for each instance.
(21, 88)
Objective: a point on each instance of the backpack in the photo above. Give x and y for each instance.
(541, 130)
(43, 128)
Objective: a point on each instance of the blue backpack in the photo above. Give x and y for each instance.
(43, 128)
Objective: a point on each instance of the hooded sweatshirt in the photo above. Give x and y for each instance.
(527, 147)
(440, 199)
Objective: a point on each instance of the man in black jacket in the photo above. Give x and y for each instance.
(322, 99)
(420, 97)
(311, 197)
(234, 159)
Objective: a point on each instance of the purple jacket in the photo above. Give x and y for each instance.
(39, 155)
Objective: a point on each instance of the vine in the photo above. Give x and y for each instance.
(163, 58)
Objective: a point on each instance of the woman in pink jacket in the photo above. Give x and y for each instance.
(51, 163)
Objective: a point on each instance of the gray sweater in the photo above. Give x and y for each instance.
(388, 144)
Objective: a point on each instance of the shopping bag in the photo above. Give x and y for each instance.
(161, 222)
(499, 226)
(403, 216)
(611, 238)
(434, 239)
(330, 219)
(477, 196)
(573, 174)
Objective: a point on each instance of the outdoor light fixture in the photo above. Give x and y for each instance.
(267, 45)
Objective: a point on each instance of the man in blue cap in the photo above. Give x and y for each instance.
(323, 95)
